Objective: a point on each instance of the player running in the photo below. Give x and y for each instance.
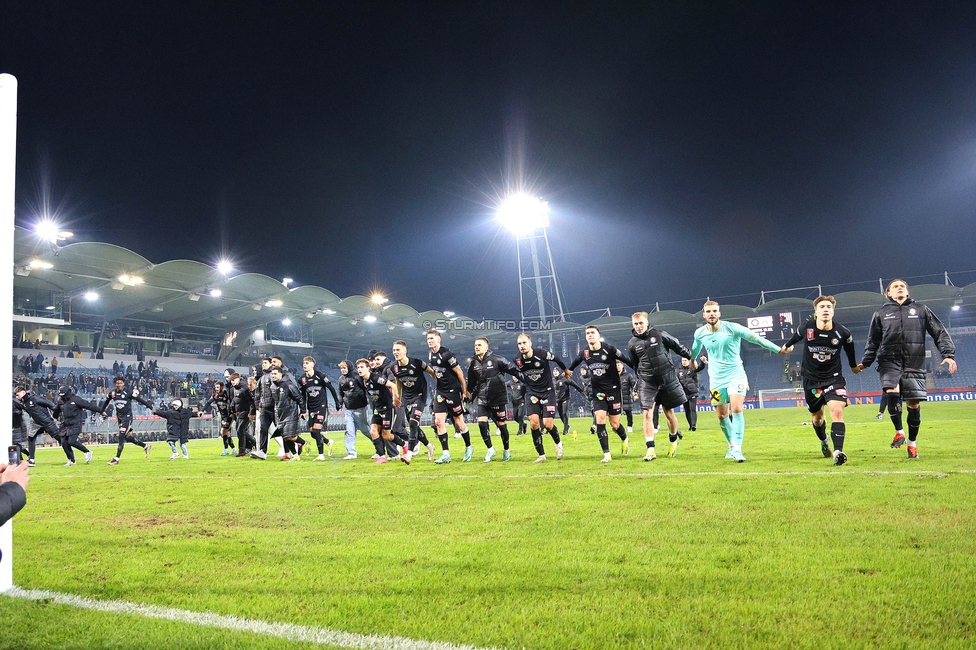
(486, 389)
(727, 379)
(121, 400)
(540, 395)
(650, 352)
(601, 360)
(412, 397)
(823, 379)
(896, 339)
(221, 401)
(315, 403)
(450, 390)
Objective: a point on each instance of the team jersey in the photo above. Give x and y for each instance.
(377, 388)
(121, 400)
(443, 362)
(315, 391)
(220, 400)
(602, 364)
(821, 351)
(536, 370)
(412, 377)
(724, 355)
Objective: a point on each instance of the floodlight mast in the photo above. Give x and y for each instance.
(539, 295)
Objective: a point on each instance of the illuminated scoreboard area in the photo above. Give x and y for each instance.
(775, 328)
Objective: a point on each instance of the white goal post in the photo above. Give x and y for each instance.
(779, 394)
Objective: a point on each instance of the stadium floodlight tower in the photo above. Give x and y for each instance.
(539, 294)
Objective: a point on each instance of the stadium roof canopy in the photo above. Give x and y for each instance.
(174, 298)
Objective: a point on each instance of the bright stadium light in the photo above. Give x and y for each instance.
(40, 264)
(449, 313)
(523, 213)
(286, 281)
(956, 308)
(225, 267)
(216, 293)
(286, 322)
(369, 318)
(49, 230)
(91, 296)
(378, 299)
(273, 303)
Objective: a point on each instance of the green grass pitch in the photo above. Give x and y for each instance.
(782, 551)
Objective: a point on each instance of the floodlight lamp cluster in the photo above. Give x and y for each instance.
(523, 214)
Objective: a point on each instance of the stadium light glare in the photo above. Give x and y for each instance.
(378, 299)
(216, 293)
(449, 313)
(407, 324)
(956, 308)
(328, 311)
(369, 318)
(47, 230)
(225, 267)
(286, 322)
(273, 303)
(40, 264)
(91, 296)
(523, 214)
(286, 281)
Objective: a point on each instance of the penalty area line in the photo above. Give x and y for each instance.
(461, 477)
(288, 631)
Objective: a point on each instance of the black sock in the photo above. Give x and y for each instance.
(378, 445)
(554, 432)
(837, 433)
(137, 443)
(503, 429)
(422, 437)
(230, 442)
(485, 433)
(537, 441)
(466, 437)
(118, 452)
(673, 436)
(414, 431)
(914, 422)
(894, 410)
(443, 439)
(621, 431)
(399, 440)
(650, 443)
(601, 435)
(821, 430)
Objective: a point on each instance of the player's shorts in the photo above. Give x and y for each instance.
(383, 417)
(124, 425)
(908, 382)
(609, 402)
(542, 405)
(497, 413)
(668, 394)
(225, 420)
(449, 403)
(319, 416)
(414, 407)
(287, 428)
(817, 395)
(736, 386)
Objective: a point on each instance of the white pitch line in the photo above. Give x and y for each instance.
(303, 633)
(433, 477)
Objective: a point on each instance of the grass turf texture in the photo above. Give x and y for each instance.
(784, 550)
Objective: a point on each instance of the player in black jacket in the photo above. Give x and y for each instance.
(896, 339)
(650, 351)
(314, 385)
(486, 389)
(628, 388)
(688, 378)
(516, 395)
(562, 385)
(221, 401)
(381, 393)
(242, 408)
(823, 378)
(539, 393)
(601, 359)
(354, 403)
(70, 409)
(121, 400)
(39, 410)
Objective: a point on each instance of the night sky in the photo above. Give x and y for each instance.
(686, 149)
